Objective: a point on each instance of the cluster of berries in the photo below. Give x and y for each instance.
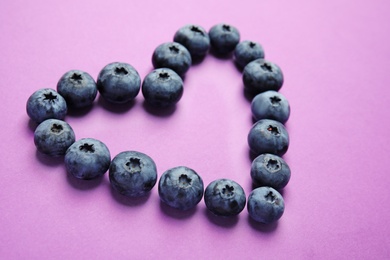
(133, 173)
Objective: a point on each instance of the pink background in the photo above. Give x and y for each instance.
(335, 55)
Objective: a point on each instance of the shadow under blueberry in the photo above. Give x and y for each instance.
(261, 227)
(47, 160)
(248, 95)
(160, 112)
(116, 108)
(227, 56)
(83, 184)
(79, 112)
(32, 125)
(127, 201)
(226, 222)
(177, 213)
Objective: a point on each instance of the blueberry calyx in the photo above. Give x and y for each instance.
(196, 30)
(228, 191)
(87, 148)
(163, 75)
(50, 97)
(272, 165)
(266, 67)
(174, 49)
(273, 129)
(252, 44)
(184, 181)
(121, 71)
(56, 128)
(226, 27)
(271, 198)
(76, 77)
(134, 165)
(275, 100)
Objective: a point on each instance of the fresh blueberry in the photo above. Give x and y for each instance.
(87, 159)
(45, 104)
(265, 205)
(247, 51)
(78, 88)
(270, 170)
(225, 197)
(261, 75)
(270, 105)
(268, 136)
(195, 39)
(118, 82)
(180, 188)
(162, 88)
(172, 55)
(132, 173)
(224, 38)
(53, 137)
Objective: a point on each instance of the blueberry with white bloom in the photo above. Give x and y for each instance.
(181, 188)
(270, 105)
(78, 88)
(247, 51)
(45, 104)
(172, 55)
(224, 38)
(132, 173)
(53, 137)
(87, 159)
(118, 82)
(195, 38)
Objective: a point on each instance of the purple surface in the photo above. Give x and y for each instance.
(335, 57)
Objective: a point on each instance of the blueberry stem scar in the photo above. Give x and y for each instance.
(87, 148)
(56, 128)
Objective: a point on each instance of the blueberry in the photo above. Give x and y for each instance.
(162, 88)
(195, 39)
(118, 82)
(268, 136)
(270, 105)
(261, 75)
(87, 159)
(247, 51)
(45, 104)
(225, 197)
(224, 38)
(172, 55)
(132, 173)
(78, 88)
(180, 188)
(53, 137)
(270, 170)
(265, 205)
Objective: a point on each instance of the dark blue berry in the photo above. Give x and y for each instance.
(224, 38)
(247, 51)
(268, 136)
(195, 39)
(270, 105)
(45, 104)
(172, 55)
(261, 75)
(225, 197)
(270, 170)
(162, 88)
(78, 88)
(180, 188)
(53, 137)
(87, 159)
(118, 82)
(132, 173)
(265, 205)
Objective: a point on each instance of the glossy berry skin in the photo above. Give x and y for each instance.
(132, 174)
(78, 88)
(270, 105)
(195, 38)
(45, 104)
(162, 88)
(224, 38)
(118, 82)
(225, 197)
(268, 136)
(87, 159)
(172, 55)
(181, 188)
(265, 205)
(247, 51)
(261, 75)
(53, 137)
(270, 170)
